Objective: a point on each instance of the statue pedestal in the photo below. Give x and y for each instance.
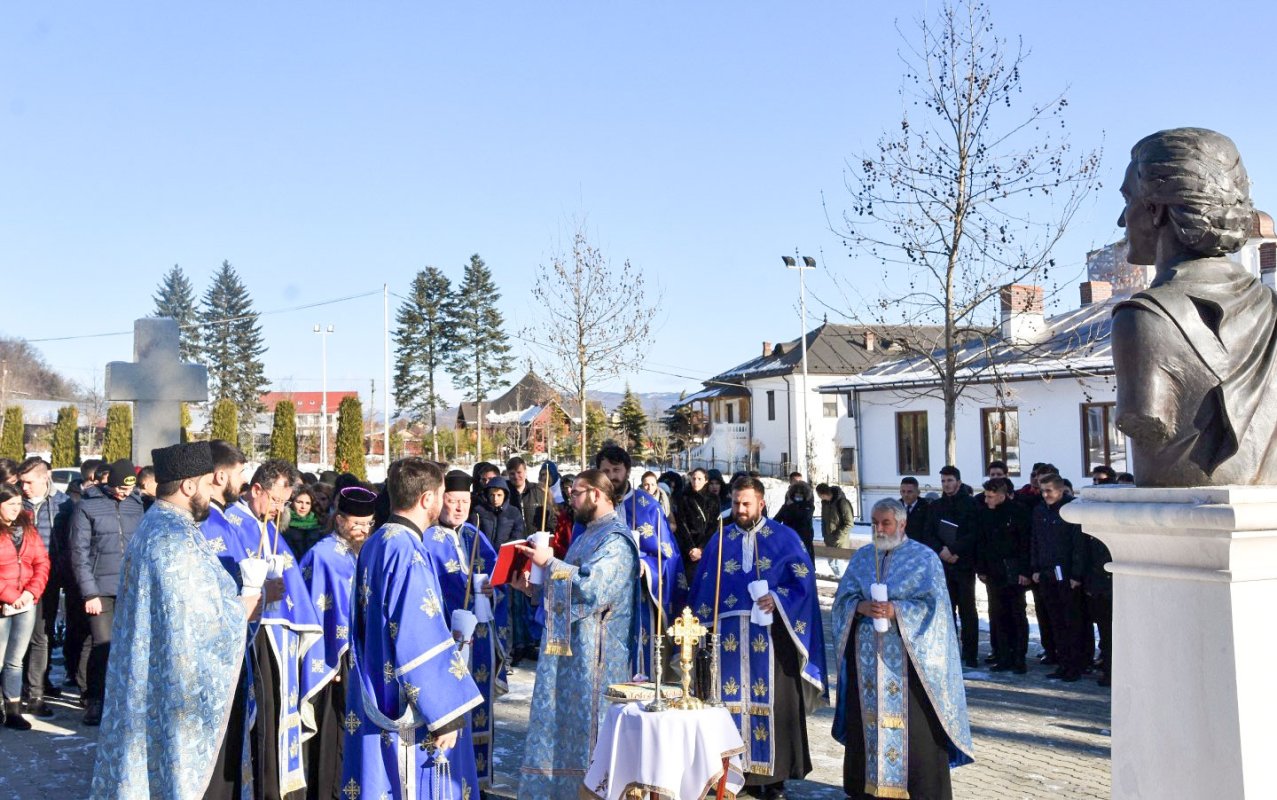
(1194, 637)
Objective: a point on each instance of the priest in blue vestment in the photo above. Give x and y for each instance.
(329, 571)
(465, 552)
(410, 693)
(289, 627)
(643, 515)
(902, 710)
(589, 598)
(177, 650)
(771, 642)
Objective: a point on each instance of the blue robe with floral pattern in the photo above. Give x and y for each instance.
(923, 632)
(408, 680)
(645, 517)
(455, 550)
(176, 653)
(775, 553)
(329, 571)
(590, 597)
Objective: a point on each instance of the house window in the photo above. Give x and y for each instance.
(912, 455)
(1000, 429)
(831, 407)
(731, 413)
(847, 464)
(771, 405)
(1102, 442)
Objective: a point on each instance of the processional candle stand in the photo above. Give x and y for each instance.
(715, 678)
(658, 644)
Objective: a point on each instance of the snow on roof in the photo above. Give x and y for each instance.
(1076, 342)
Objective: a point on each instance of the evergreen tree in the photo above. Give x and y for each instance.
(175, 298)
(479, 354)
(232, 345)
(283, 432)
(66, 441)
(595, 424)
(186, 423)
(224, 420)
(350, 437)
(631, 421)
(13, 439)
(117, 442)
(424, 320)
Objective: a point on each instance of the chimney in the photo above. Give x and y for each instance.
(1095, 292)
(1022, 319)
(767, 349)
(871, 341)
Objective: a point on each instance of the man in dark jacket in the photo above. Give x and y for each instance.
(100, 531)
(950, 534)
(1051, 556)
(530, 498)
(51, 511)
(500, 521)
(1003, 530)
(915, 506)
(697, 514)
(1090, 555)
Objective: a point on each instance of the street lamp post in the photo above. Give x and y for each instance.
(791, 262)
(323, 332)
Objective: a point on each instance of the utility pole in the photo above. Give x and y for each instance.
(791, 262)
(323, 332)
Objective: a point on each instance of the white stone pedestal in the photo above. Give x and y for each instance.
(1194, 637)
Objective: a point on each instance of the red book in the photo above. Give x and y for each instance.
(509, 562)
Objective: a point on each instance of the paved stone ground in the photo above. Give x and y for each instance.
(1034, 739)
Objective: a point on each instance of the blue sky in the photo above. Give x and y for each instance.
(328, 148)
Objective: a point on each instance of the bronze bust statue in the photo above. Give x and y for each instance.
(1196, 352)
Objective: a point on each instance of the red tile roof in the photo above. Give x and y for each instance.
(306, 402)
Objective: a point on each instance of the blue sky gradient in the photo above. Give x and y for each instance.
(325, 148)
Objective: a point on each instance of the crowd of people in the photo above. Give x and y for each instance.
(321, 624)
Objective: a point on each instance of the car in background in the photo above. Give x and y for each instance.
(61, 478)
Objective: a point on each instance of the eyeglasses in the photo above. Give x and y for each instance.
(359, 526)
(579, 492)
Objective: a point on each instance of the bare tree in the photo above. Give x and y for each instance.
(968, 194)
(597, 321)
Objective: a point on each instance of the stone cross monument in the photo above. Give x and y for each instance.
(157, 382)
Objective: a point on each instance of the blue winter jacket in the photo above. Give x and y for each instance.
(101, 528)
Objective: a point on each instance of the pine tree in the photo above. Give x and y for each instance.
(479, 352)
(186, 423)
(175, 298)
(13, 439)
(350, 437)
(224, 420)
(631, 421)
(283, 432)
(420, 344)
(66, 441)
(595, 424)
(232, 345)
(117, 442)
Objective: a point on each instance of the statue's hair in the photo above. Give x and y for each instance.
(1198, 174)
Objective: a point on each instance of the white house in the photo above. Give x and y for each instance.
(753, 410)
(1045, 392)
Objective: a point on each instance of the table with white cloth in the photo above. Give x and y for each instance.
(679, 755)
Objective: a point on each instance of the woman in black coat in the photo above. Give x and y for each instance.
(797, 513)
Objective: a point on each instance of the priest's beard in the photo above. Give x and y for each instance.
(745, 523)
(229, 497)
(199, 507)
(585, 514)
(888, 541)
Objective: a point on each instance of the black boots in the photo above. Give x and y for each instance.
(93, 715)
(36, 707)
(13, 716)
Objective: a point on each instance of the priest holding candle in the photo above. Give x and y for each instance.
(770, 643)
(901, 711)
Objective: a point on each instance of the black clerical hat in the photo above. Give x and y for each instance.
(356, 501)
(181, 461)
(456, 481)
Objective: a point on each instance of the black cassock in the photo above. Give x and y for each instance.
(324, 749)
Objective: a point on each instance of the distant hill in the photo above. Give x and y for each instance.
(29, 375)
(653, 402)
